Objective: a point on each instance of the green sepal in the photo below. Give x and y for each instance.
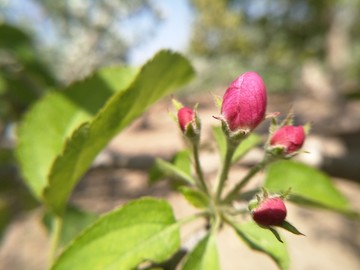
(177, 104)
(289, 120)
(291, 228)
(275, 233)
(218, 101)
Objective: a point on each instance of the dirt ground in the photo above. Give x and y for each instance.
(332, 241)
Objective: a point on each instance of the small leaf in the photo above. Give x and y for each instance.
(217, 101)
(166, 169)
(308, 186)
(291, 228)
(195, 197)
(204, 256)
(142, 230)
(179, 167)
(182, 161)
(177, 104)
(250, 142)
(263, 240)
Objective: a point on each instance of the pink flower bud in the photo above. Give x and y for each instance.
(244, 102)
(290, 138)
(270, 212)
(185, 117)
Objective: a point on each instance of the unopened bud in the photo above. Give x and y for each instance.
(189, 123)
(244, 103)
(185, 117)
(270, 212)
(288, 138)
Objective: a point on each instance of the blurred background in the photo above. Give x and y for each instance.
(307, 51)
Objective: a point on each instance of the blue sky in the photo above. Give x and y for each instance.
(174, 32)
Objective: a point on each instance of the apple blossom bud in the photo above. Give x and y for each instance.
(185, 117)
(244, 103)
(189, 123)
(289, 138)
(270, 212)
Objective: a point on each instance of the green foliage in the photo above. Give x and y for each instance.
(142, 230)
(74, 221)
(270, 37)
(195, 197)
(263, 240)
(11, 36)
(204, 256)
(250, 142)
(308, 185)
(4, 216)
(89, 139)
(74, 158)
(80, 42)
(179, 168)
(46, 126)
(24, 77)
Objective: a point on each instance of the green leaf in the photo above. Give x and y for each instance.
(353, 95)
(179, 168)
(142, 230)
(250, 142)
(204, 256)
(264, 241)
(11, 36)
(195, 197)
(308, 185)
(46, 126)
(159, 77)
(74, 221)
(182, 161)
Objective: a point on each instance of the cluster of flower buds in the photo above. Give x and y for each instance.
(243, 108)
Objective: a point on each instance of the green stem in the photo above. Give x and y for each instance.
(254, 170)
(235, 191)
(55, 237)
(188, 219)
(201, 183)
(230, 149)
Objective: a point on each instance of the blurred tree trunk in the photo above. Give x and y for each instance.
(323, 84)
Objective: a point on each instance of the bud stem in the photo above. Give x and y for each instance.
(201, 183)
(254, 170)
(55, 237)
(230, 149)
